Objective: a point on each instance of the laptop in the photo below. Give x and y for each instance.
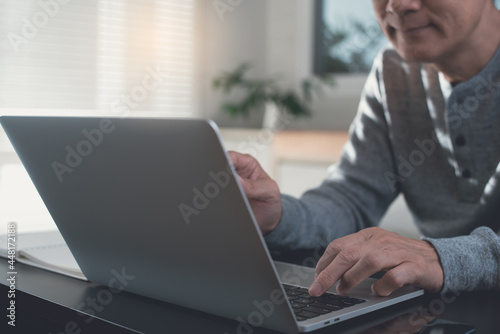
(156, 201)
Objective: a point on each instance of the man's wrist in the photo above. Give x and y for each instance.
(469, 262)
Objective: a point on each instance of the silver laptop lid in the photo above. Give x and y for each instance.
(156, 200)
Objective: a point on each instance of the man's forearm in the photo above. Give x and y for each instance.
(322, 215)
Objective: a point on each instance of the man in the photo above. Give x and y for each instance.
(428, 126)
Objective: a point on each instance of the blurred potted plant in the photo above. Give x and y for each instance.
(257, 93)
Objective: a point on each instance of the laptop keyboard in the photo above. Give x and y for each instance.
(306, 307)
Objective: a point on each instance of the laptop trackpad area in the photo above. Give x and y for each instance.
(304, 276)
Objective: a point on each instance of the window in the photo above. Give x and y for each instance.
(103, 57)
(348, 36)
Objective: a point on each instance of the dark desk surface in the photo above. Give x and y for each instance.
(51, 303)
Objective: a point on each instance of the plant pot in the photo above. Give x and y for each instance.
(272, 117)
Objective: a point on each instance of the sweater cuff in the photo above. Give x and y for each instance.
(279, 238)
(469, 262)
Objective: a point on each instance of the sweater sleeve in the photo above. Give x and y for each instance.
(470, 262)
(355, 194)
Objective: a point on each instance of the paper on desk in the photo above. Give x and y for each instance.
(45, 250)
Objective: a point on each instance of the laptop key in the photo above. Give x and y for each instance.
(348, 303)
(299, 318)
(332, 301)
(297, 305)
(352, 302)
(338, 300)
(307, 314)
(355, 300)
(303, 290)
(315, 309)
(327, 306)
(304, 300)
(293, 293)
(343, 298)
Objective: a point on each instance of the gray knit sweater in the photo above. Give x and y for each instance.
(436, 144)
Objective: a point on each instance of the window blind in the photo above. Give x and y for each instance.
(115, 57)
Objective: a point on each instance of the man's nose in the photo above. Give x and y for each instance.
(401, 7)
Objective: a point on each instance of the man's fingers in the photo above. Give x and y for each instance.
(354, 258)
(260, 189)
(338, 245)
(370, 263)
(346, 259)
(245, 165)
(339, 256)
(394, 279)
(262, 192)
(255, 182)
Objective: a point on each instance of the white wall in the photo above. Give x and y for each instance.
(238, 37)
(277, 37)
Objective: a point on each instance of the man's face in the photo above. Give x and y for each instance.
(431, 30)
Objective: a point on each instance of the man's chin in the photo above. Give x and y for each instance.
(417, 54)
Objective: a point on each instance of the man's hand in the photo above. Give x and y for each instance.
(262, 192)
(355, 257)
